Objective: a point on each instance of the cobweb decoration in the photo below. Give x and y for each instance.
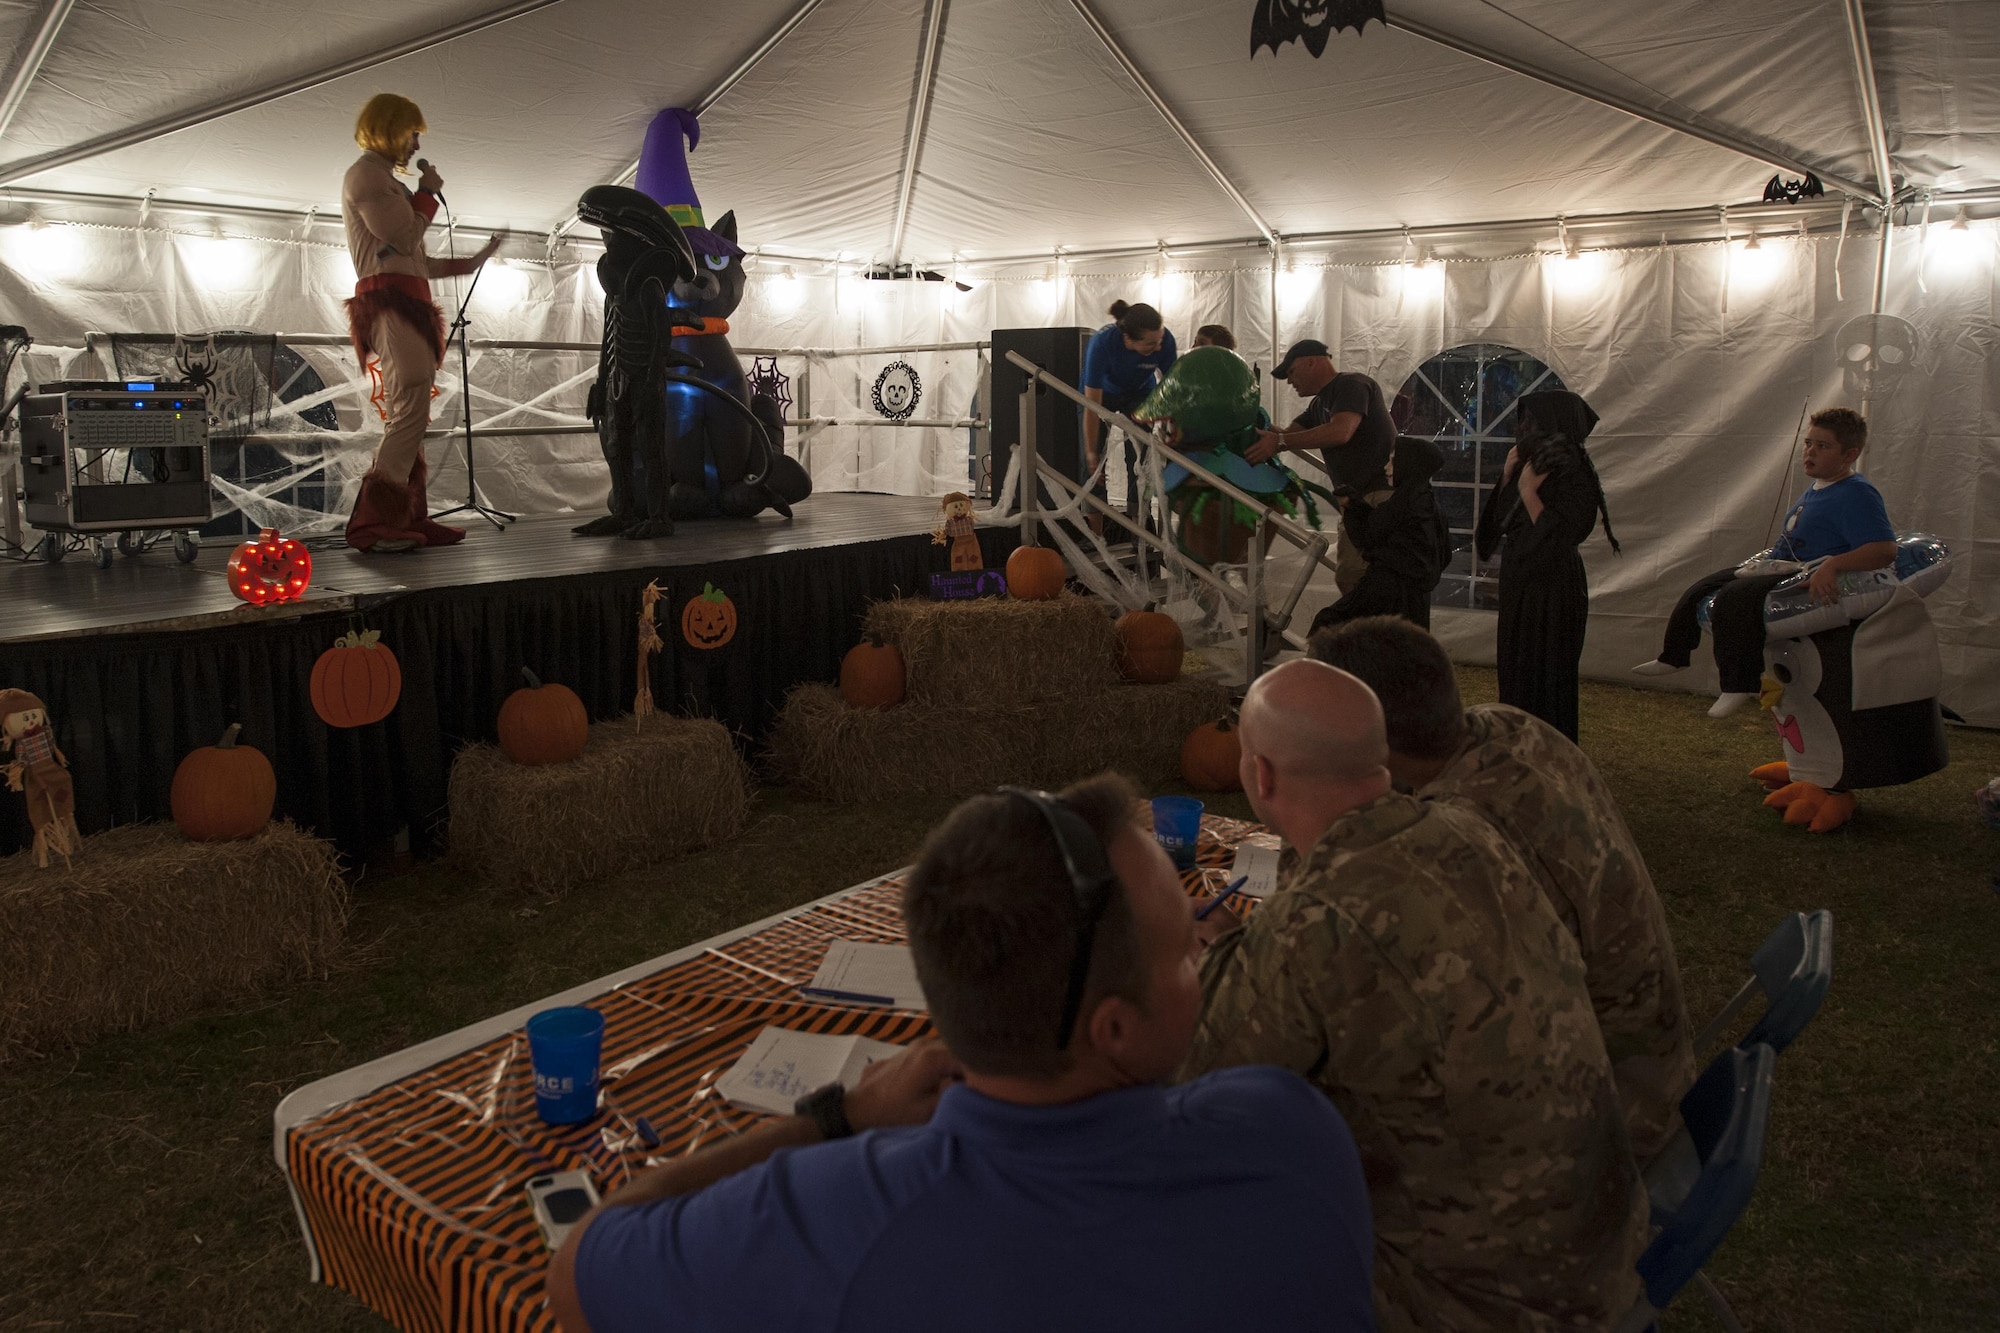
(767, 379)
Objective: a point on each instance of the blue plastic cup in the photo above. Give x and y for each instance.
(1177, 827)
(564, 1046)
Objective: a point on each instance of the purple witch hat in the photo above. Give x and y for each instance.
(664, 178)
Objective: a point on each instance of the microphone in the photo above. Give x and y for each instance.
(424, 164)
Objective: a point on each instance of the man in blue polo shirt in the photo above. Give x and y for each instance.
(1030, 1171)
(1840, 523)
(1122, 363)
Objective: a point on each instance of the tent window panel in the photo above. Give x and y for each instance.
(1463, 400)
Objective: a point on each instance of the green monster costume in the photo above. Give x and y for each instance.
(1211, 399)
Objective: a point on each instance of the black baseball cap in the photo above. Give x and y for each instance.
(1309, 347)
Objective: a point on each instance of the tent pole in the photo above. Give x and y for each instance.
(31, 63)
(1871, 105)
(920, 110)
(1277, 246)
(1721, 138)
(1152, 95)
(715, 94)
(201, 115)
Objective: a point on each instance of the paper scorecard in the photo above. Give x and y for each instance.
(1257, 864)
(782, 1066)
(869, 974)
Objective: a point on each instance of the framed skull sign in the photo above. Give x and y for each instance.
(1877, 353)
(898, 391)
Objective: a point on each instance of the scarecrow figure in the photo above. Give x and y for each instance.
(955, 523)
(649, 644)
(41, 771)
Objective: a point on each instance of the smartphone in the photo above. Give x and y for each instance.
(560, 1201)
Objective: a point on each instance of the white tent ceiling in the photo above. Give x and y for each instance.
(1036, 136)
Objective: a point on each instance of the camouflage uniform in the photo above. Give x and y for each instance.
(1413, 970)
(1546, 798)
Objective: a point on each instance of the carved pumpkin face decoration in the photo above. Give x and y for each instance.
(709, 621)
(270, 569)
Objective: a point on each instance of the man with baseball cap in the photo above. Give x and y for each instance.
(1347, 421)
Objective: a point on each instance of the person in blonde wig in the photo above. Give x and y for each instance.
(392, 317)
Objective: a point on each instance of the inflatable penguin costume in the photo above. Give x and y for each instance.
(1856, 705)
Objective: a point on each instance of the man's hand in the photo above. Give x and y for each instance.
(1531, 480)
(428, 179)
(1824, 585)
(1513, 463)
(1219, 922)
(1269, 445)
(904, 1089)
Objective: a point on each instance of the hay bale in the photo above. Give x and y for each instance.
(145, 926)
(633, 795)
(839, 753)
(1139, 729)
(997, 652)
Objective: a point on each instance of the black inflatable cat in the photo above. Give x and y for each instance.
(680, 430)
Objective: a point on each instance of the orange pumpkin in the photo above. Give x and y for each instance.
(871, 675)
(1212, 756)
(709, 621)
(1035, 573)
(223, 791)
(543, 724)
(1150, 647)
(357, 681)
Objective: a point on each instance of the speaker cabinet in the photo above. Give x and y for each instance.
(1058, 421)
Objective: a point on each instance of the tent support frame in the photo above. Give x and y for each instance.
(1174, 122)
(920, 114)
(1695, 129)
(1878, 136)
(715, 94)
(31, 61)
(271, 92)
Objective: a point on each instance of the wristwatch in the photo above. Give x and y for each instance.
(826, 1108)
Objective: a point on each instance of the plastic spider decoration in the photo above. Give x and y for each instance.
(765, 378)
(200, 365)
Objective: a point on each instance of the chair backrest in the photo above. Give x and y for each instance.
(1726, 1113)
(1793, 967)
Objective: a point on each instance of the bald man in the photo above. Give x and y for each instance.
(1410, 966)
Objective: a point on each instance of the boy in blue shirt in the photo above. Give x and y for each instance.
(1840, 523)
(1122, 363)
(1030, 1171)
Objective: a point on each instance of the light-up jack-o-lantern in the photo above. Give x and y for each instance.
(270, 569)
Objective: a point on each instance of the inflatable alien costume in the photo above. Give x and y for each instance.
(682, 433)
(1210, 398)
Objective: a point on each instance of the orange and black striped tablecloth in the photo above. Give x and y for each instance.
(414, 1193)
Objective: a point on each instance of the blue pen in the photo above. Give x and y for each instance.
(1201, 913)
(854, 996)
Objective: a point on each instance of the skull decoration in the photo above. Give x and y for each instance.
(1877, 352)
(898, 390)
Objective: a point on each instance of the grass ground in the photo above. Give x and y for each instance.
(137, 1189)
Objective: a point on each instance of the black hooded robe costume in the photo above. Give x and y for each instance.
(1544, 593)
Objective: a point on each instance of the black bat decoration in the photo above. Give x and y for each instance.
(1309, 22)
(1778, 190)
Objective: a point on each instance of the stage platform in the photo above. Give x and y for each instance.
(146, 660)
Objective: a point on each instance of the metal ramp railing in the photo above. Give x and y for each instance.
(1264, 616)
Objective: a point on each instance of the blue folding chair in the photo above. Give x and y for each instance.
(1793, 968)
(1726, 1114)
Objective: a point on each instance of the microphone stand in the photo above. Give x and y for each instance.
(499, 518)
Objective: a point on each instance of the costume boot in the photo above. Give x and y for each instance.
(381, 520)
(435, 533)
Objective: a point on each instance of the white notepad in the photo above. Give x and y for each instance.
(1257, 863)
(869, 974)
(782, 1066)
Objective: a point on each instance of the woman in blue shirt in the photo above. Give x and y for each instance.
(1123, 362)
